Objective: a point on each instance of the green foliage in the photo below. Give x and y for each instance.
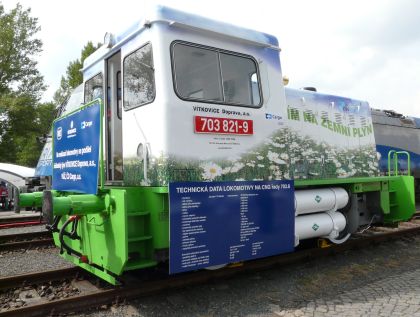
(73, 77)
(18, 49)
(29, 148)
(22, 117)
(286, 154)
(22, 121)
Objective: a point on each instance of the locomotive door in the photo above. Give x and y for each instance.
(113, 119)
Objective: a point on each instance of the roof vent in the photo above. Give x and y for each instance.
(109, 40)
(309, 88)
(393, 114)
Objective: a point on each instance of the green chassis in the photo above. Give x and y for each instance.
(127, 232)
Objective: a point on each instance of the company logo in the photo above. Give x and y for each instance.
(315, 227)
(270, 116)
(318, 198)
(72, 131)
(59, 133)
(85, 124)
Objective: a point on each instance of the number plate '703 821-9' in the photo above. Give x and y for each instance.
(223, 125)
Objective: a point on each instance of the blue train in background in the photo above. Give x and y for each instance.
(394, 131)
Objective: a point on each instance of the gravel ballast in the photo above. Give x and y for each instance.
(29, 261)
(285, 290)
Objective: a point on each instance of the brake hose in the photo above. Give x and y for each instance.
(61, 238)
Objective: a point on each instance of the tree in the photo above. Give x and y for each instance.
(22, 118)
(29, 148)
(18, 49)
(25, 121)
(73, 77)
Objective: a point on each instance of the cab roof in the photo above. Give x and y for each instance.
(178, 18)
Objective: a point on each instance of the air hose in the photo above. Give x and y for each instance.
(72, 235)
(54, 226)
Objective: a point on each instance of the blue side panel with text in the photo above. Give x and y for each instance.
(44, 166)
(76, 151)
(213, 223)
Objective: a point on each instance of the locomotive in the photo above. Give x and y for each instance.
(187, 152)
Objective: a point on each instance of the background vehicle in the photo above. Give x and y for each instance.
(393, 131)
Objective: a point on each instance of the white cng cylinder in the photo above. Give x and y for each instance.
(323, 199)
(319, 225)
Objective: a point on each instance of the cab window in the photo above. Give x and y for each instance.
(213, 75)
(94, 88)
(138, 78)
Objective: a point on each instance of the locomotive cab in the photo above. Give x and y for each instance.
(167, 83)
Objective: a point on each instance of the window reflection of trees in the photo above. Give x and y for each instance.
(139, 83)
(93, 88)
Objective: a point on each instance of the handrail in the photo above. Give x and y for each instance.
(393, 156)
(389, 161)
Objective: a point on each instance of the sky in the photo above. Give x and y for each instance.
(367, 50)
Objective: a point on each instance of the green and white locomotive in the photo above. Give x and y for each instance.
(189, 150)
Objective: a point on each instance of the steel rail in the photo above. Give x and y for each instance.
(24, 236)
(5, 220)
(9, 246)
(20, 221)
(137, 289)
(25, 240)
(38, 277)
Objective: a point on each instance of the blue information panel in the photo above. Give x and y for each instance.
(76, 151)
(223, 222)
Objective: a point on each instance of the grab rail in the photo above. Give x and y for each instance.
(393, 156)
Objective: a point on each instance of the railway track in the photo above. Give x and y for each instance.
(20, 221)
(26, 240)
(135, 288)
(38, 277)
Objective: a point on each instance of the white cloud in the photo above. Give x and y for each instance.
(366, 50)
